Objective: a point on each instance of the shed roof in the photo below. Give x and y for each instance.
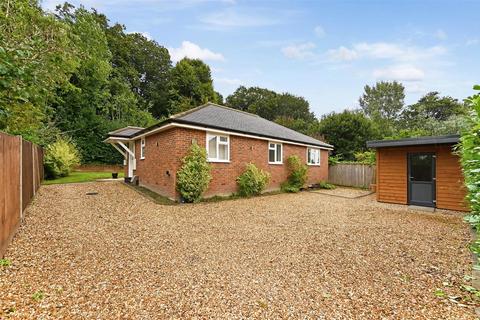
(213, 116)
(450, 139)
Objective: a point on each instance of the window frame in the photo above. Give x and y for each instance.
(142, 148)
(275, 152)
(319, 156)
(218, 143)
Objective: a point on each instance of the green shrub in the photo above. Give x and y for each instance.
(470, 159)
(298, 175)
(366, 157)
(60, 158)
(194, 175)
(326, 185)
(252, 181)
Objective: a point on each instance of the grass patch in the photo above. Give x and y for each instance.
(82, 176)
(153, 195)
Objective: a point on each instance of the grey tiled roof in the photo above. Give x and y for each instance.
(451, 139)
(220, 117)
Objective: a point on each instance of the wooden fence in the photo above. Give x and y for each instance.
(352, 175)
(21, 172)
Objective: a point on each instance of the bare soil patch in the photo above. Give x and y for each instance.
(119, 255)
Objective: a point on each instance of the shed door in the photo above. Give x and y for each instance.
(421, 179)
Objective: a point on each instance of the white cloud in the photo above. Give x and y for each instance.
(400, 73)
(299, 51)
(441, 35)
(342, 54)
(319, 31)
(191, 50)
(234, 18)
(385, 50)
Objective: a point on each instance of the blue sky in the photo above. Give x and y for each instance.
(325, 51)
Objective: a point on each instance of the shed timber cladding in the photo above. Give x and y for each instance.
(392, 170)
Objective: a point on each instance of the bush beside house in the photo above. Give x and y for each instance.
(298, 175)
(252, 181)
(194, 175)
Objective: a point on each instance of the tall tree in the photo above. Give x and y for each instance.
(283, 108)
(36, 57)
(192, 85)
(348, 132)
(383, 103)
(431, 106)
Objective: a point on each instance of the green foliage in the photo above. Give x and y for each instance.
(60, 158)
(297, 176)
(367, 157)
(285, 109)
(192, 85)
(252, 181)
(194, 175)
(38, 295)
(5, 263)
(36, 57)
(326, 185)
(470, 159)
(383, 103)
(348, 132)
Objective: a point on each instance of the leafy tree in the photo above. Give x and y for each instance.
(297, 175)
(36, 57)
(286, 109)
(431, 108)
(252, 181)
(192, 85)
(348, 131)
(255, 100)
(383, 103)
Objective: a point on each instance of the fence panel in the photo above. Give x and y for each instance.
(9, 188)
(352, 175)
(21, 172)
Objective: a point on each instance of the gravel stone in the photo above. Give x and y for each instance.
(118, 255)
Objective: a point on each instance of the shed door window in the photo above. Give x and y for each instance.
(218, 148)
(275, 152)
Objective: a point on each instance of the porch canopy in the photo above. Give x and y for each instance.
(121, 140)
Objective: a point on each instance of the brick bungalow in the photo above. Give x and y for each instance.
(232, 139)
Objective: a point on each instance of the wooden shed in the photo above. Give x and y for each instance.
(420, 171)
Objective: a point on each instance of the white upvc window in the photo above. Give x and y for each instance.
(218, 147)
(275, 153)
(142, 148)
(313, 157)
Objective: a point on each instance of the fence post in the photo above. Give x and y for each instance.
(20, 142)
(33, 168)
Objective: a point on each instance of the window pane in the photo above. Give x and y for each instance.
(279, 153)
(271, 155)
(309, 155)
(421, 167)
(212, 147)
(223, 139)
(223, 152)
(271, 146)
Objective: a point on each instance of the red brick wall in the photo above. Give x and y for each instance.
(174, 144)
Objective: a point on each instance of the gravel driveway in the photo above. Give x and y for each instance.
(118, 255)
